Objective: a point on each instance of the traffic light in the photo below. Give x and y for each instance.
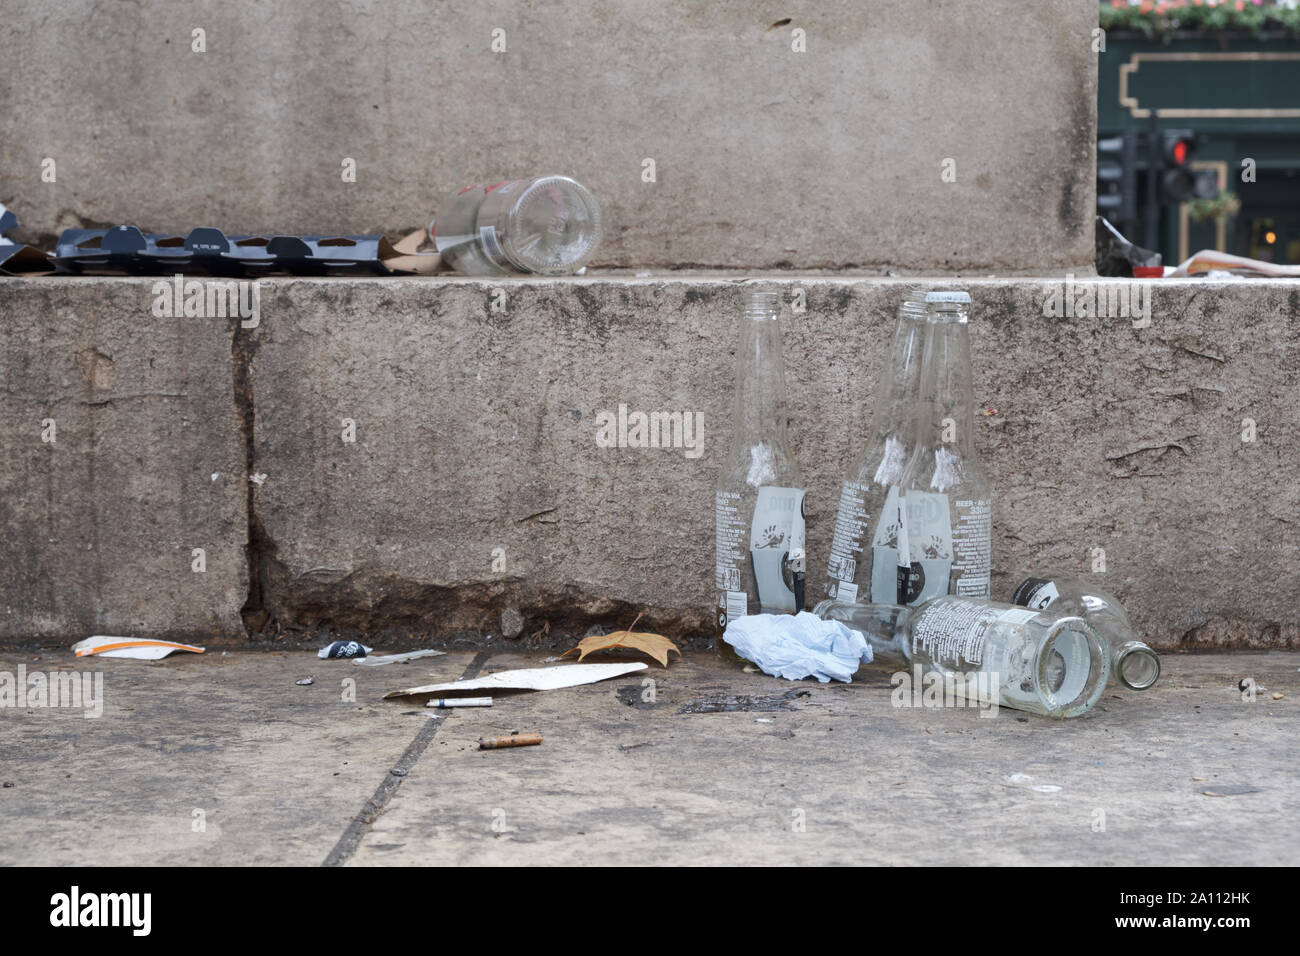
(1117, 177)
(1179, 182)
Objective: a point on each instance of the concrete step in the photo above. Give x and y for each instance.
(718, 135)
(475, 494)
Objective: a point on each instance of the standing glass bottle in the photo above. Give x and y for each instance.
(1132, 663)
(947, 526)
(864, 556)
(1045, 662)
(758, 506)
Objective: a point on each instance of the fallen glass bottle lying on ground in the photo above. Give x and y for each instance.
(1132, 663)
(1040, 661)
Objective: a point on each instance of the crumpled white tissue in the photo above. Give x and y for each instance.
(798, 646)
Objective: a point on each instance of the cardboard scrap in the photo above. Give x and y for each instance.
(16, 258)
(531, 678)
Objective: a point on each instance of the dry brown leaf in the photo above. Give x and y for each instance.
(656, 645)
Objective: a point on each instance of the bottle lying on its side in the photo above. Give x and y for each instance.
(548, 225)
(1043, 662)
(1132, 663)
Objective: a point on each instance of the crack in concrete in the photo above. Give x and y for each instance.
(242, 350)
(378, 801)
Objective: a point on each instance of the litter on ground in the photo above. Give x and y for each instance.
(104, 645)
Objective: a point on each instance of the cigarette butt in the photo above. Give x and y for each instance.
(446, 702)
(514, 740)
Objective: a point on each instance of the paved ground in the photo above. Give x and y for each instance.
(224, 759)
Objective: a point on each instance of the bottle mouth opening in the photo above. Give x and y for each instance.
(1138, 668)
(1073, 667)
(760, 304)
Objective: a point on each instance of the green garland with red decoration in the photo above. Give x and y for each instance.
(1165, 17)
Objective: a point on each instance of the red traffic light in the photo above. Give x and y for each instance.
(1180, 151)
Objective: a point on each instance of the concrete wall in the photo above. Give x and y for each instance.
(474, 407)
(764, 157)
(121, 454)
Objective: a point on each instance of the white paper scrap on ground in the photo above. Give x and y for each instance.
(532, 678)
(103, 645)
(382, 659)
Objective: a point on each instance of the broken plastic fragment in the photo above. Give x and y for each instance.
(382, 659)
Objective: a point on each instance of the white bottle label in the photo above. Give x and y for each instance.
(972, 540)
(737, 604)
(729, 556)
(776, 536)
(851, 527)
(948, 547)
(887, 545)
(928, 533)
(954, 633)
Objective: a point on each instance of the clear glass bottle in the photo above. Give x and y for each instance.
(1043, 662)
(1132, 663)
(864, 557)
(947, 512)
(549, 225)
(759, 503)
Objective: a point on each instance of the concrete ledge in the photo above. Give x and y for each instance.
(475, 406)
(475, 484)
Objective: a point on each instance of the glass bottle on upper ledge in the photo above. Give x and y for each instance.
(548, 225)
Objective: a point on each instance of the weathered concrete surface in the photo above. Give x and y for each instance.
(281, 772)
(476, 445)
(849, 779)
(147, 464)
(763, 156)
(274, 769)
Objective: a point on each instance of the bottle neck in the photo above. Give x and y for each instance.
(945, 413)
(883, 625)
(761, 408)
(899, 392)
